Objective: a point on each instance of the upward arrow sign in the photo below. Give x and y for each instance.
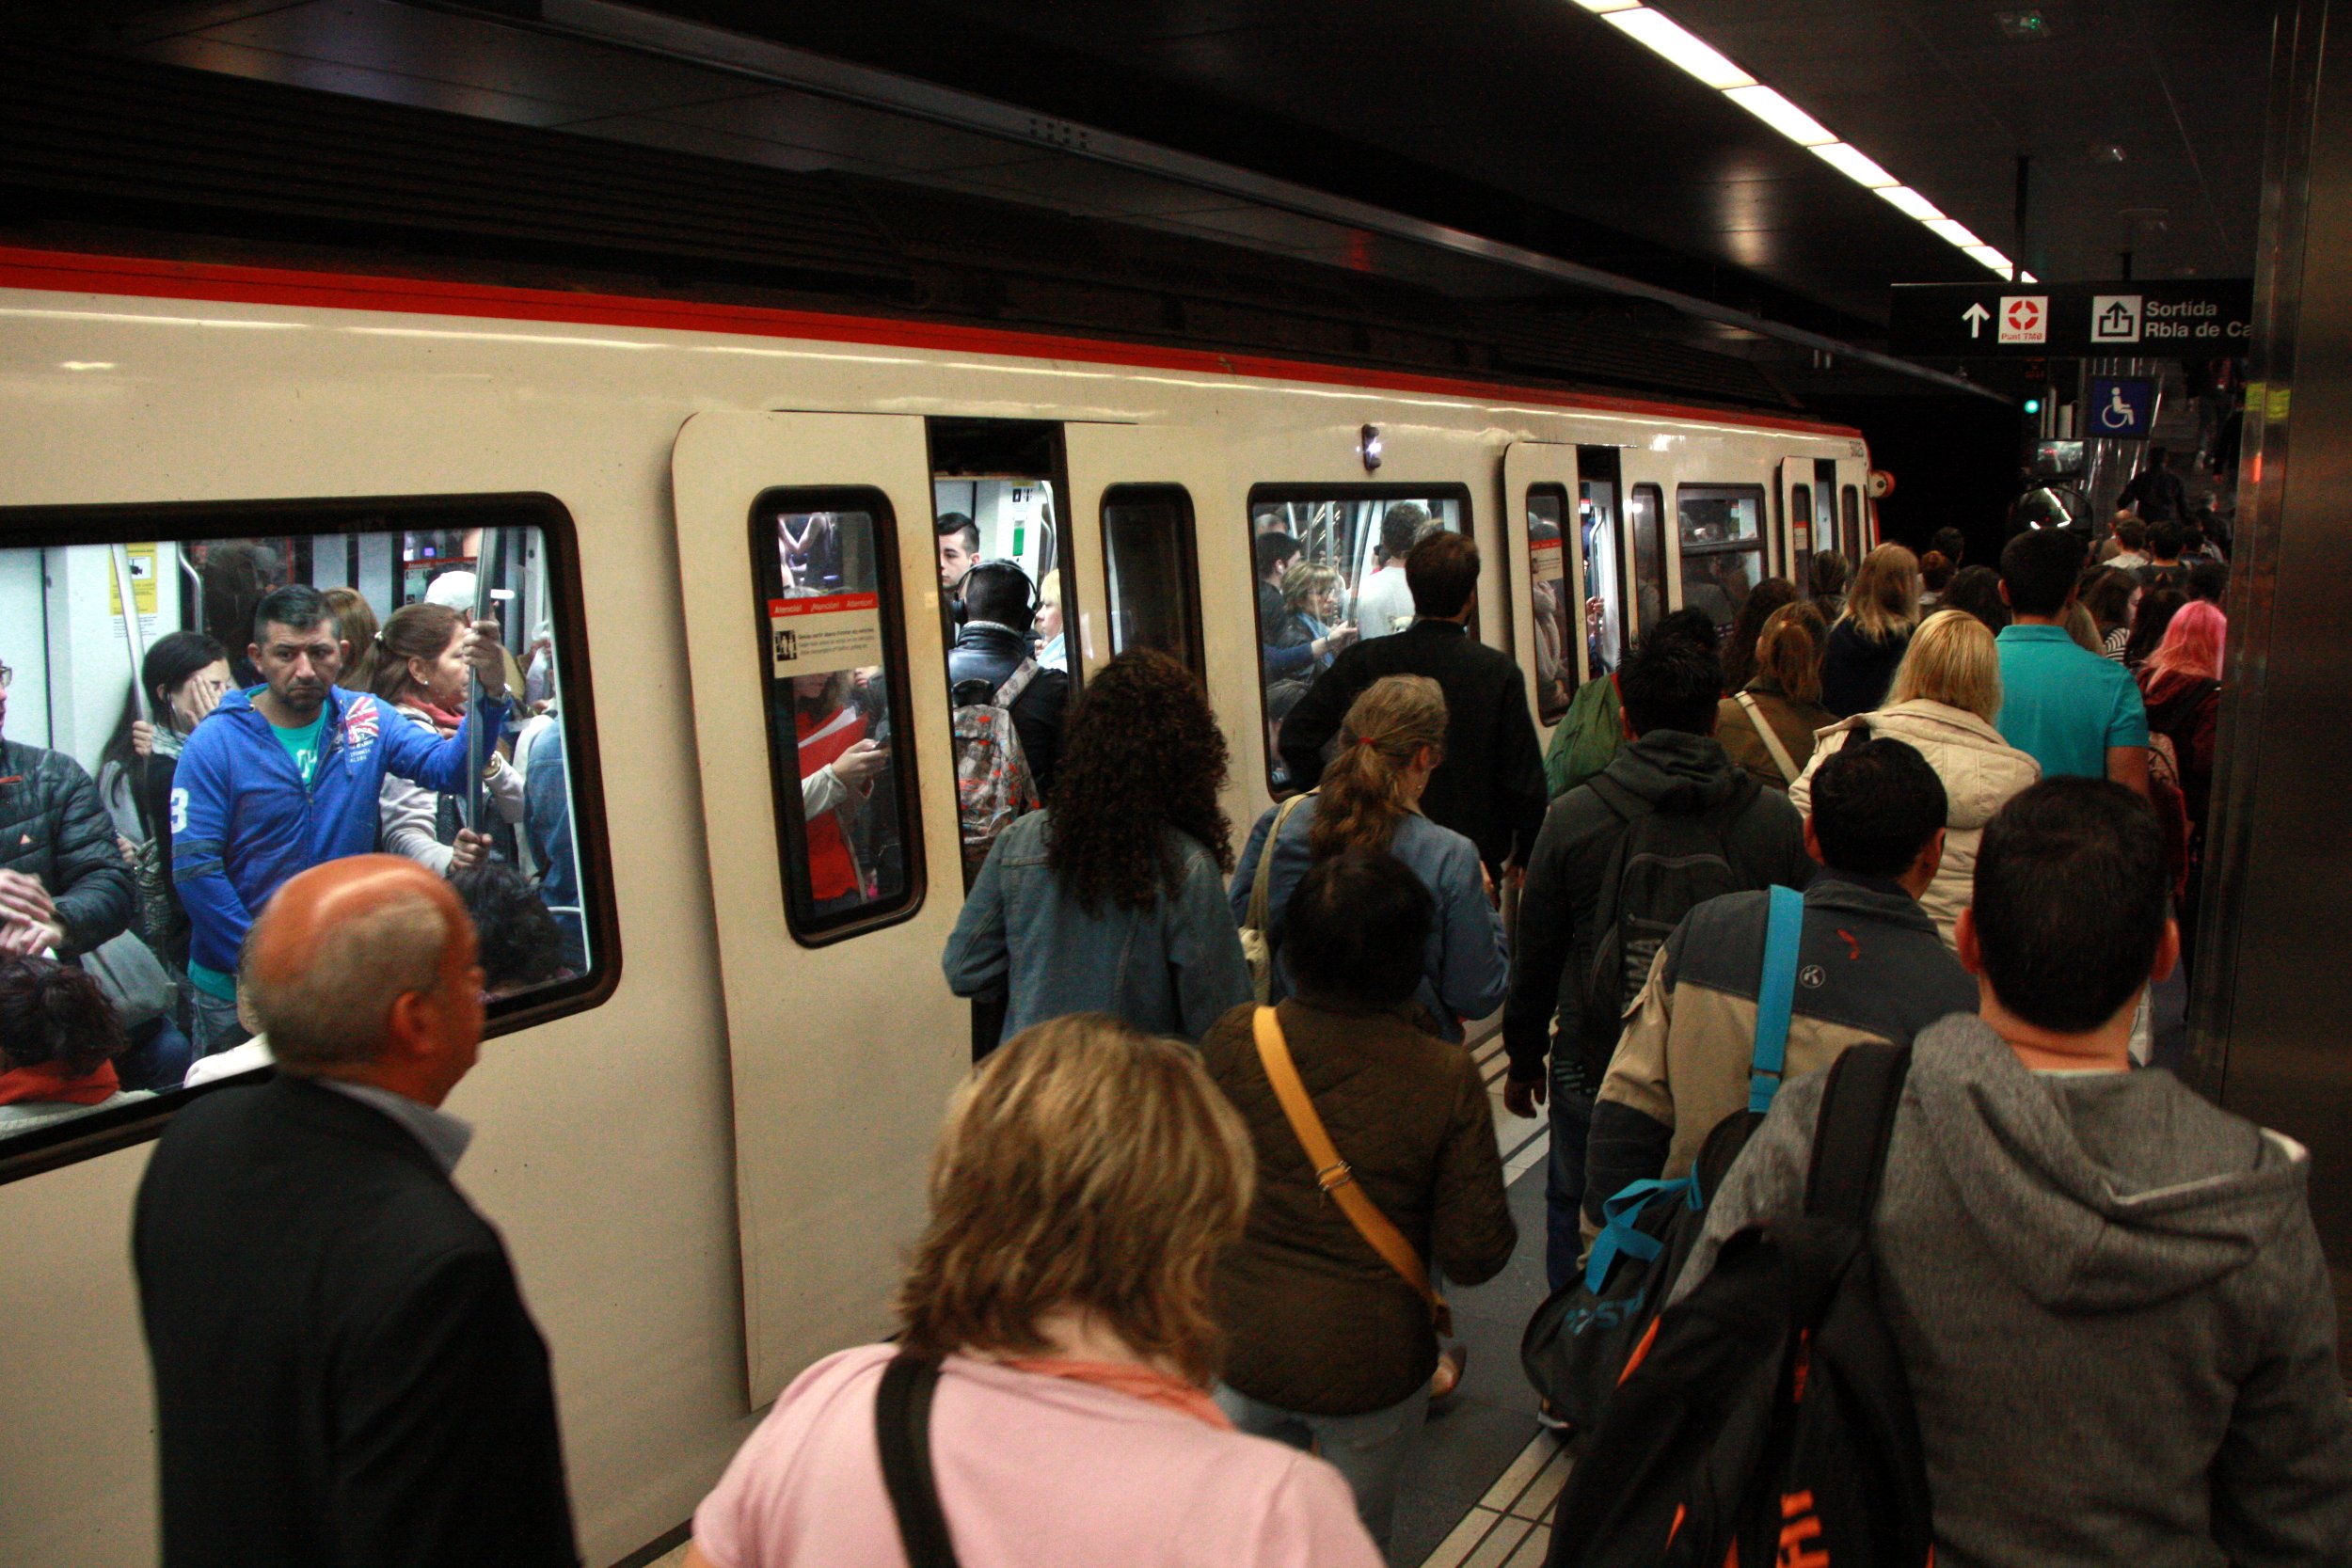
(1976, 316)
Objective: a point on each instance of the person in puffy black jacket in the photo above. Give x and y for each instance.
(63, 885)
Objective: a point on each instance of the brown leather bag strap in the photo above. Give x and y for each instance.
(1332, 1174)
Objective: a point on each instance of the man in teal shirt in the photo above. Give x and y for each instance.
(2076, 713)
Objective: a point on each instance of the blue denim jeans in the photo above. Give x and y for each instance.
(1369, 1450)
(1563, 1182)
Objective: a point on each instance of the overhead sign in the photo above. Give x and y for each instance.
(2120, 407)
(2188, 319)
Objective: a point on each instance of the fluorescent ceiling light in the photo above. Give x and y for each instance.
(1602, 8)
(1912, 204)
(1991, 257)
(2027, 278)
(1958, 234)
(1781, 115)
(1850, 162)
(1667, 39)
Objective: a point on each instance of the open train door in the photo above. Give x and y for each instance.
(1801, 525)
(1546, 571)
(806, 560)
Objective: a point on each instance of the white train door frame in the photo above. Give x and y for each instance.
(1802, 520)
(1528, 466)
(842, 1054)
(1653, 537)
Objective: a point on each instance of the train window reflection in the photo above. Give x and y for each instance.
(1800, 534)
(824, 563)
(1330, 567)
(1642, 510)
(1148, 556)
(1550, 593)
(1722, 547)
(1850, 500)
(187, 723)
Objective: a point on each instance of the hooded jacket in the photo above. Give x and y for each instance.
(1981, 773)
(243, 820)
(2113, 1309)
(1670, 771)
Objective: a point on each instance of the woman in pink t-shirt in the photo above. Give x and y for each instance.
(1084, 1182)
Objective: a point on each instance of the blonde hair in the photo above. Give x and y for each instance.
(1304, 580)
(1883, 602)
(1363, 786)
(1789, 649)
(1952, 660)
(1086, 1165)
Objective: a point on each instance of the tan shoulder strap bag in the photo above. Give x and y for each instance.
(1332, 1174)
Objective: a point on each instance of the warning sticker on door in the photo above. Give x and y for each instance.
(824, 632)
(1546, 560)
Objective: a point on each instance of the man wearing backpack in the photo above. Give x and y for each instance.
(2107, 1294)
(1868, 966)
(1671, 822)
(999, 604)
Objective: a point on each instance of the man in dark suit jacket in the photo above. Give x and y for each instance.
(344, 1370)
(1490, 787)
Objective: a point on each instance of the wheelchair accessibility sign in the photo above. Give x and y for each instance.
(2120, 408)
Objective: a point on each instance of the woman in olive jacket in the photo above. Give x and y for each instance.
(1329, 1346)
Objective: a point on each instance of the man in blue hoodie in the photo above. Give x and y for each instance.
(2108, 1296)
(286, 776)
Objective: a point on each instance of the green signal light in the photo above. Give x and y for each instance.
(2033, 406)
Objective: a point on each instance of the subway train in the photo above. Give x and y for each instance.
(710, 532)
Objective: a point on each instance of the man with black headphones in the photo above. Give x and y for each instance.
(999, 604)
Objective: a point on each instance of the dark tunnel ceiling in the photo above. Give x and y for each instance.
(1528, 121)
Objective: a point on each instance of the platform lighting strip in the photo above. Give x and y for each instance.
(1670, 40)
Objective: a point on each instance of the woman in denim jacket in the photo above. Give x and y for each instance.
(1112, 899)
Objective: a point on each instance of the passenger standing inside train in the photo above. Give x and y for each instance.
(1312, 599)
(1867, 639)
(420, 670)
(1946, 696)
(286, 776)
(2076, 713)
(1384, 600)
(1768, 726)
(999, 608)
(346, 1371)
(186, 675)
(959, 548)
(1490, 786)
(1879, 972)
(2079, 1248)
(1329, 1346)
(1057, 1346)
(1723, 832)
(1370, 799)
(63, 887)
(1275, 550)
(1111, 899)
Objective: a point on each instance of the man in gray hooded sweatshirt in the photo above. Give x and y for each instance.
(2110, 1297)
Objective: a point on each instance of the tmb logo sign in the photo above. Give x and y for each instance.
(2115, 318)
(2025, 318)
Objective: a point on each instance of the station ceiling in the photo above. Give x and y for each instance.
(1530, 122)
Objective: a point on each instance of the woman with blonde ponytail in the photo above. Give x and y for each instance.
(1392, 739)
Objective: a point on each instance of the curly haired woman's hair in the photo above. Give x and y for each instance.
(1143, 759)
(53, 1012)
(1086, 1165)
(1363, 785)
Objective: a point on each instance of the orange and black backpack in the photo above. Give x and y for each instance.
(1765, 1418)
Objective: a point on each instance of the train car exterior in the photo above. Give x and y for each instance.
(706, 1153)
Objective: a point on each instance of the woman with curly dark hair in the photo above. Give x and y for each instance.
(1111, 899)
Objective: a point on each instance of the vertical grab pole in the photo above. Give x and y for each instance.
(489, 563)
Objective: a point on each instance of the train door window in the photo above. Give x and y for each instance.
(1605, 564)
(1850, 504)
(824, 567)
(1152, 571)
(1642, 510)
(353, 712)
(1330, 569)
(1801, 524)
(1550, 593)
(1722, 547)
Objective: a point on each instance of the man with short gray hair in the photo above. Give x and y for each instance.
(344, 1369)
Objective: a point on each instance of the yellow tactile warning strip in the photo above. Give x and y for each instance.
(1510, 1527)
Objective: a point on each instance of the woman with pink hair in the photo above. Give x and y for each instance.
(2180, 684)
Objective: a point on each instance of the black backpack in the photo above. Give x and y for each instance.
(1765, 1417)
(1666, 864)
(1576, 1346)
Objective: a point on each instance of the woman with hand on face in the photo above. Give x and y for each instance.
(421, 669)
(185, 675)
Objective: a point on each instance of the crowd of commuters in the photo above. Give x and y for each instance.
(1182, 1293)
